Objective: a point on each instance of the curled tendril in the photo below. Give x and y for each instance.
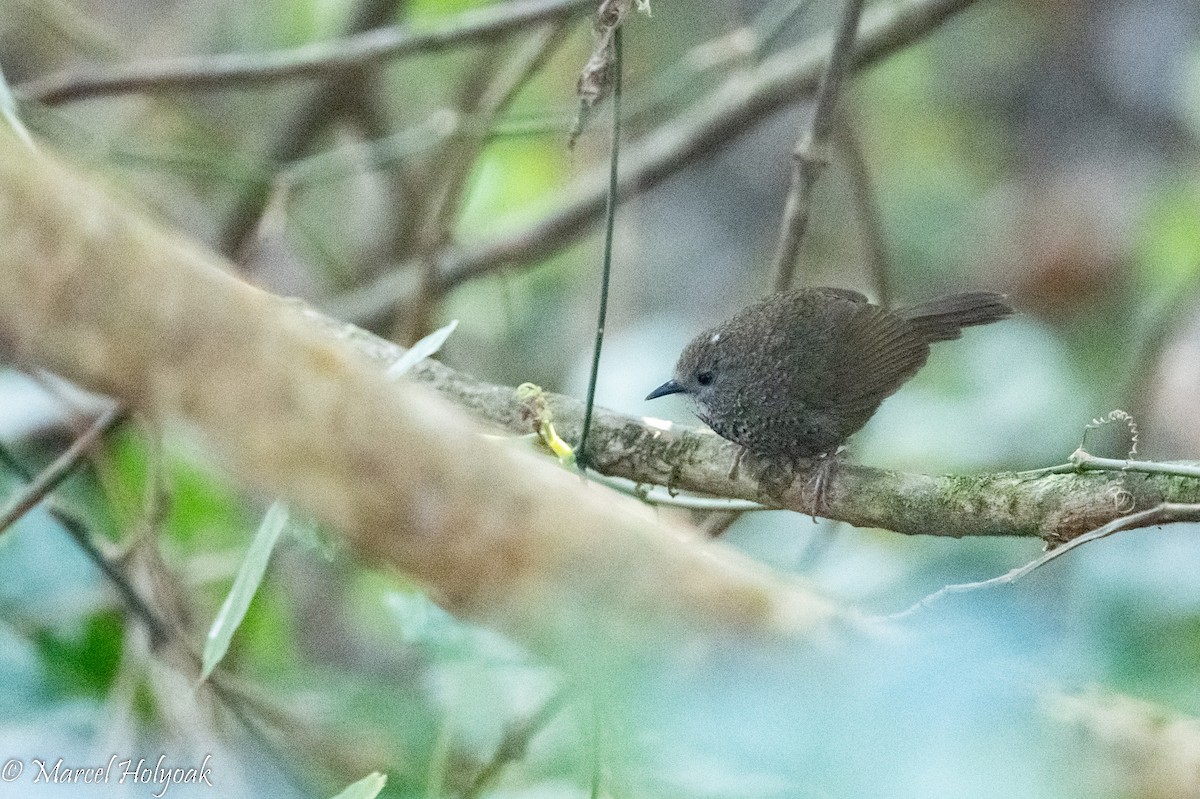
(1122, 499)
(1115, 416)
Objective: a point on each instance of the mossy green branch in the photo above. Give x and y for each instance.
(1050, 504)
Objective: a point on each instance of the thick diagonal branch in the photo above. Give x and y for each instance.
(108, 299)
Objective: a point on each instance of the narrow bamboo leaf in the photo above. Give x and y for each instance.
(245, 585)
(366, 788)
(421, 350)
(8, 110)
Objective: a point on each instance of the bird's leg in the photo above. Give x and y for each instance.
(737, 462)
(818, 484)
(776, 477)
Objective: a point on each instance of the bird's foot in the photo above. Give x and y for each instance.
(819, 484)
(776, 478)
(737, 462)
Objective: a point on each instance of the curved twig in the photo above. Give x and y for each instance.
(1166, 513)
(238, 70)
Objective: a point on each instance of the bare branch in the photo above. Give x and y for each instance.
(867, 207)
(456, 158)
(1167, 513)
(1057, 504)
(50, 477)
(811, 156)
(734, 107)
(238, 70)
(291, 401)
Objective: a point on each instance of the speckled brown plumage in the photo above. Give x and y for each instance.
(793, 376)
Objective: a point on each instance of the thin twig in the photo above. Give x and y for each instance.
(238, 70)
(810, 156)
(739, 48)
(1116, 415)
(687, 77)
(157, 628)
(1166, 513)
(664, 497)
(10, 460)
(870, 221)
(165, 633)
(50, 477)
(1082, 461)
(458, 157)
(323, 104)
(581, 452)
(515, 743)
(76, 528)
(379, 154)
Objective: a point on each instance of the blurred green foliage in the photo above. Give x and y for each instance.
(81, 662)
(979, 183)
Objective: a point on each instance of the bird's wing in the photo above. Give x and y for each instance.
(841, 294)
(875, 352)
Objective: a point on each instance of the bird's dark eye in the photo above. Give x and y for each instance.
(704, 378)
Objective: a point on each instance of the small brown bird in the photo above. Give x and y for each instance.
(793, 376)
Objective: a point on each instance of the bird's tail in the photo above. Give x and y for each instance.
(943, 319)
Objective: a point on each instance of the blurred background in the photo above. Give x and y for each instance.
(1049, 150)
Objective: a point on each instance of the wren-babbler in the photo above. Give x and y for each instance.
(794, 375)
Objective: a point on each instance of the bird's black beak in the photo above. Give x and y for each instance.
(669, 387)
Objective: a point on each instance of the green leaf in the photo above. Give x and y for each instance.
(366, 788)
(245, 585)
(421, 350)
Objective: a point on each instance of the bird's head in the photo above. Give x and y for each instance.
(699, 373)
